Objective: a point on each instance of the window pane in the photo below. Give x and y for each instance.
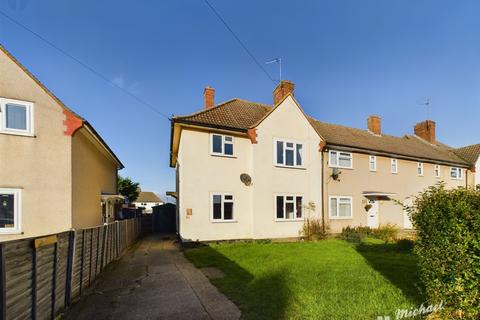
(333, 207)
(299, 207)
(217, 206)
(228, 197)
(279, 207)
(289, 157)
(453, 173)
(7, 211)
(333, 158)
(344, 208)
(289, 208)
(289, 198)
(279, 152)
(16, 117)
(289, 145)
(299, 155)
(228, 211)
(345, 162)
(217, 143)
(229, 149)
(229, 139)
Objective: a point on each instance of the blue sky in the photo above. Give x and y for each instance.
(348, 59)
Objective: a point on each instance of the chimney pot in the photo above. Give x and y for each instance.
(374, 124)
(282, 90)
(425, 130)
(209, 97)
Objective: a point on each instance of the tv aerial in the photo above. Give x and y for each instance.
(279, 61)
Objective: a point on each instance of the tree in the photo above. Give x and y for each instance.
(128, 188)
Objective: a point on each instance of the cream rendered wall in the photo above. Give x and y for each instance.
(404, 184)
(288, 122)
(39, 165)
(93, 173)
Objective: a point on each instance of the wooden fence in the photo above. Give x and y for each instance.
(40, 277)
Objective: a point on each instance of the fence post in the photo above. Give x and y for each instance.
(54, 278)
(91, 254)
(70, 255)
(34, 282)
(103, 246)
(82, 259)
(3, 285)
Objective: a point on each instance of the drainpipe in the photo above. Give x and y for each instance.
(323, 193)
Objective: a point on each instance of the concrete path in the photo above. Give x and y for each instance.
(153, 281)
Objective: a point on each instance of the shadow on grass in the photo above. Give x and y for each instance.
(258, 297)
(398, 266)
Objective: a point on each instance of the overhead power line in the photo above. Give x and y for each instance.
(84, 65)
(239, 41)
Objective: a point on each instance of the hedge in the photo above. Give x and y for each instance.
(448, 248)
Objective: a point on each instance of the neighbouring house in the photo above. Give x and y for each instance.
(56, 172)
(148, 200)
(472, 155)
(250, 170)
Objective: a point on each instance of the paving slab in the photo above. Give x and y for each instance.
(153, 280)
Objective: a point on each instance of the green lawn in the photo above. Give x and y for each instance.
(330, 279)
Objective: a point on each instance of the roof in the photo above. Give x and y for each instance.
(148, 196)
(60, 102)
(469, 153)
(240, 115)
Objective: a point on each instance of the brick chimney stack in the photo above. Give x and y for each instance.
(282, 90)
(425, 130)
(374, 124)
(209, 97)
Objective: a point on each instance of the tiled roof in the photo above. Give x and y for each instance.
(469, 153)
(238, 114)
(148, 196)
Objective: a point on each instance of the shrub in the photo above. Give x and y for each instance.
(405, 245)
(312, 229)
(387, 232)
(448, 247)
(355, 234)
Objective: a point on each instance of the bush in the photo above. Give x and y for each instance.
(312, 229)
(448, 247)
(387, 232)
(405, 245)
(355, 234)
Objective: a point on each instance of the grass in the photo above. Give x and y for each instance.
(329, 279)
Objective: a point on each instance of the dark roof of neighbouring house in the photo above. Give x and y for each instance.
(240, 115)
(469, 153)
(148, 196)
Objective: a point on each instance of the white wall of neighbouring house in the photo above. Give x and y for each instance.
(477, 172)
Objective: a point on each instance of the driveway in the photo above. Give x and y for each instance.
(153, 280)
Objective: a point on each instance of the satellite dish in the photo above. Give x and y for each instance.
(246, 179)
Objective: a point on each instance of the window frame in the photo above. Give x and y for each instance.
(459, 173)
(30, 114)
(338, 217)
(17, 213)
(222, 219)
(374, 158)
(337, 165)
(222, 153)
(295, 144)
(285, 195)
(437, 171)
(420, 166)
(392, 161)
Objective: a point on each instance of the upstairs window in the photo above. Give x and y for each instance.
(393, 165)
(339, 159)
(456, 173)
(288, 207)
(372, 163)
(288, 153)
(437, 171)
(420, 168)
(222, 145)
(9, 211)
(222, 207)
(16, 117)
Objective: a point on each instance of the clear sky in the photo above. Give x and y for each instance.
(348, 59)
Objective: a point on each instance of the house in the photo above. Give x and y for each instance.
(56, 172)
(147, 200)
(247, 170)
(472, 155)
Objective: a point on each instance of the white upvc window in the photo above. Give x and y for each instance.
(372, 163)
(456, 173)
(340, 159)
(420, 168)
(437, 171)
(222, 207)
(393, 165)
(16, 117)
(10, 211)
(222, 145)
(288, 153)
(288, 207)
(340, 207)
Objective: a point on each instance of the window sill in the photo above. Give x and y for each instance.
(223, 155)
(458, 179)
(340, 218)
(338, 167)
(13, 232)
(290, 167)
(22, 134)
(223, 221)
(290, 220)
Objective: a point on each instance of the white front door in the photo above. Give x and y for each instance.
(372, 214)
